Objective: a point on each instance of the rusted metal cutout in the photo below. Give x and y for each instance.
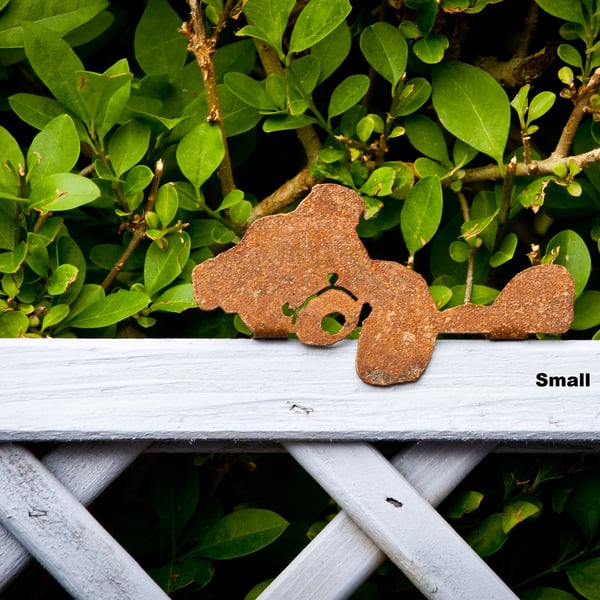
(292, 270)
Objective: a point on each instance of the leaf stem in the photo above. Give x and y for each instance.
(203, 47)
(139, 229)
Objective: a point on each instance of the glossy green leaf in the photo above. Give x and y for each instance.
(249, 90)
(427, 137)
(268, 20)
(480, 294)
(62, 277)
(573, 255)
(347, 93)
(505, 252)
(587, 311)
(488, 537)
(10, 262)
(68, 252)
(12, 161)
(570, 55)
(302, 75)
(161, 267)
(517, 511)
(89, 295)
(110, 309)
(441, 295)
(431, 49)
(166, 204)
(332, 50)
(460, 251)
(546, 593)
(55, 315)
(128, 145)
(58, 16)
(62, 191)
(568, 10)
(236, 57)
(13, 324)
(421, 213)
(380, 182)
(231, 199)
(386, 50)
(466, 502)
(286, 122)
(206, 232)
(200, 153)
(55, 63)
(582, 504)
(55, 149)
(411, 96)
(183, 572)
(37, 254)
(239, 533)
(540, 104)
(159, 47)
(316, 21)
(585, 578)
(472, 106)
(175, 299)
(238, 117)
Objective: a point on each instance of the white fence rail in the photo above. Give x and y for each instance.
(114, 397)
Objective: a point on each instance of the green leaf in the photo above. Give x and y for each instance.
(431, 49)
(37, 254)
(505, 252)
(268, 20)
(111, 309)
(285, 122)
(585, 578)
(167, 204)
(60, 280)
(583, 506)
(332, 50)
(427, 137)
(59, 16)
(62, 191)
(128, 145)
(88, 295)
(176, 299)
(55, 315)
(570, 55)
(55, 63)
(55, 149)
(68, 252)
(472, 106)
(517, 511)
(380, 182)
(13, 324)
(249, 90)
(587, 311)
(540, 105)
(240, 533)
(488, 537)
(11, 161)
(421, 213)
(237, 57)
(161, 267)
(573, 255)
(568, 10)
(466, 502)
(411, 96)
(159, 47)
(104, 96)
(546, 593)
(206, 232)
(231, 199)
(10, 262)
(182, 572)
(481, 294)
(38, 111)
(460, 251)
(347, 93)
(174, 494)
(238, 117)
(316, 21)
(386, 50)
(200, 152)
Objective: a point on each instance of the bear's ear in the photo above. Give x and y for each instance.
(329, 200)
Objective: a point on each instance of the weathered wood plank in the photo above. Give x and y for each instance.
(404, 525)
(63, 536)
(282, 390)
(342, 556)
(86, 469)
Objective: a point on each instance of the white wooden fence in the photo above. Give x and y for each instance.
(108, 400)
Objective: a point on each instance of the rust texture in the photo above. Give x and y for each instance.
(291, 270)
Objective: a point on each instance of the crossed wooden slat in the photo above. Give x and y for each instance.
(384, 511)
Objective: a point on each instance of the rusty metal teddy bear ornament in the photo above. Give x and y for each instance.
(291, 270)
